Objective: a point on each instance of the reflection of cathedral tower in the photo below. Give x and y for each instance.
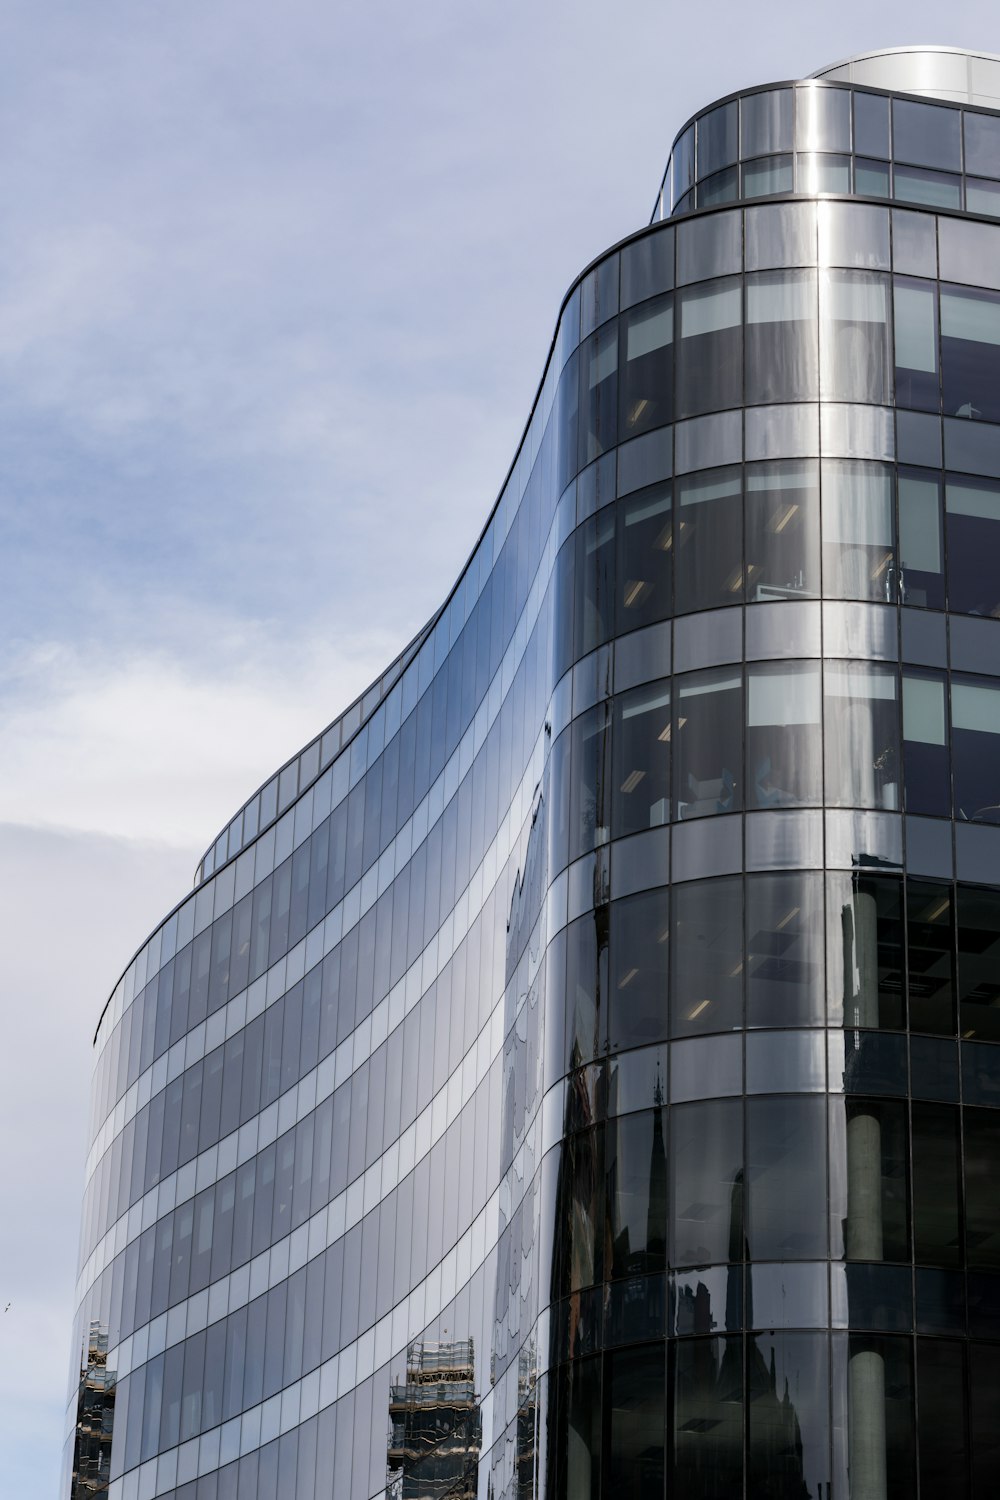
(435, 1431)
(95, 1419)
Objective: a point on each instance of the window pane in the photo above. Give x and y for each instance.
(929, 939)
(935, 189)
(642, 759)
(788, 1440)
(869, 1168)
(970, 353)
(979, 962)
(823, 174)
(864, 951)
(785, 978)
(707, 991)
(871, 178)
(982, 144)
(984, 1403)
(858, 531)
(862, 737)
(598, 393)
(915, 318)
(935, 1185)
(718, 133)
(927, 134)
(768, 175)
(593, 594)
(706, 1183)
(972, 511)
(854, 337)
(636, 1167)
(823, 120)
(707, 742)
(982, 197)
(786, 1178)
(645, 557)
(925, 746)
(782, 360)
(921, 552)
(723, 187)
(982, 1201)
(578, 1259)
(647, 378)
(871, 124)
(574, 1453)
(709, 354)
(975, 719)
(707, 1417)
(589, 803)
(709, 528)
(767, 122)
(878, 1407)
(784, 753)
(635, 1396)
(782, 530)
(640, 933)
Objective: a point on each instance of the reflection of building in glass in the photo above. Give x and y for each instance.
(435, 1427)
(95, 1420)
(618, 981)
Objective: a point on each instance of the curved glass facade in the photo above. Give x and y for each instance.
(577, 1073)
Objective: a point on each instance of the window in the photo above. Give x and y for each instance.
(854, 337)
(930, 936)
(641, 796)
(647, 366)
(706, 1183)
(708, 540)
(707, 742)
(784, 950)
(782, 359)
(970, 353)
(707, 990)
(921, 549)
(864, 951)
(784, 740)
(869, 1173)
(972, 518)
(925, 745)
(979, 962)
(598, 393)
(645, 557)
(782, 530)
(915, 316)
(975, 721)
(636, 1169)
(710, 351)
(786, 1178)
(858, 531)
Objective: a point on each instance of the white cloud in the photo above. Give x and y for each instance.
(149, 747)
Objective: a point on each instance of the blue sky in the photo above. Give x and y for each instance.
(276, 288)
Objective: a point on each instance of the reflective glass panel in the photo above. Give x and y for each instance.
(782, 530)
(972, 524)
(784, 735)
(708, 539)
(975, 729)
(707, 743)
(709, 354)
(970, 353)
(647, 366)
(784, 950)
(915, 320)
(641, 797)
(781, 349)
(854, 337)
(858, 531)
(921, 544)
(706, 1183)
(637, 1000)
(645, 557)
(925, 745)
(707, 990)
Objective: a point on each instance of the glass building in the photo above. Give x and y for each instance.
(577, 1073)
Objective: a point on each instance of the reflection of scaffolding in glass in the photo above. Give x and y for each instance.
(435, 1426)
(95, 1419)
